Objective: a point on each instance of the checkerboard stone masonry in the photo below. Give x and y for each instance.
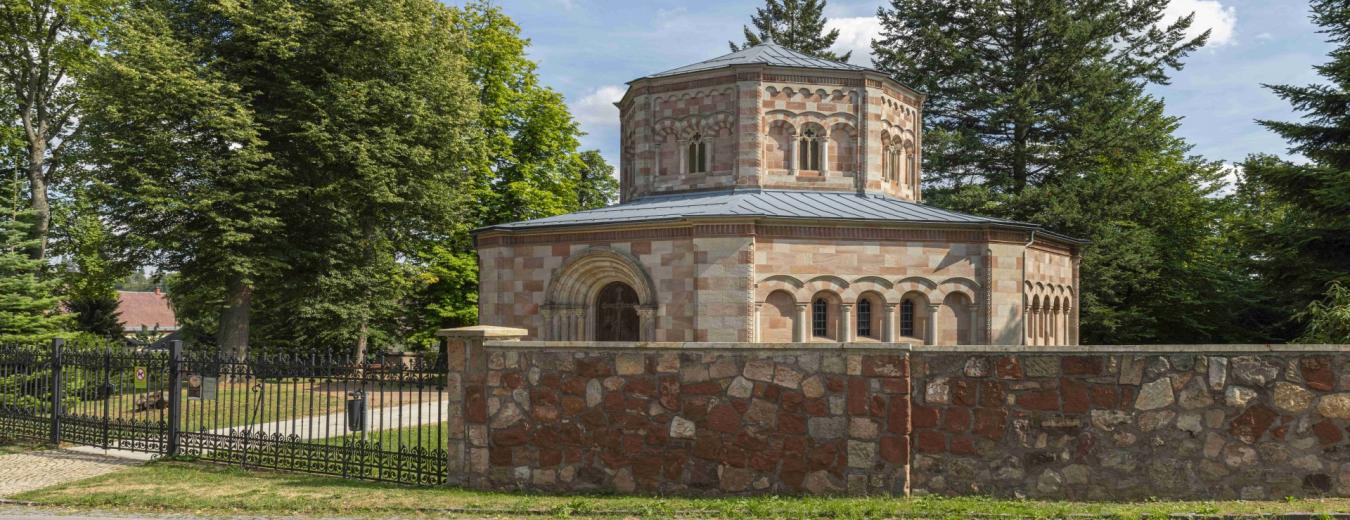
(1128, 422)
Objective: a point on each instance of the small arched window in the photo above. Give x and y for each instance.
(865, 319)
(697, 155)
(808, 153)
(819, 323)
(907, 318)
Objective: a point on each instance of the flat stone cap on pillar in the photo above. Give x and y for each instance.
(483, 331)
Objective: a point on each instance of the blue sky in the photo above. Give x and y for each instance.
(587, 49)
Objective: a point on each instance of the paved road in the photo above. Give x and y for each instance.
(33, 513)
(21, 472)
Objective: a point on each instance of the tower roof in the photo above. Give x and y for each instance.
(764, 54)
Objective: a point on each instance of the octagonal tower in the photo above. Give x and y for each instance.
(773, 118)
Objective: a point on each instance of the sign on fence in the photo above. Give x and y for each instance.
(201, 388)
(142, 377)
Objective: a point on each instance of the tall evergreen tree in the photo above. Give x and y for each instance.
(28, 309)
(1037, 111)
(1023, 91)
(91, 270)
(796, 24)
(1302, 241)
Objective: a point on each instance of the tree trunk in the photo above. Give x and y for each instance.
(234, 318)
(37, 182)
(362, 338)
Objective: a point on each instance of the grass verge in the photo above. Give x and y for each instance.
(215, 490)
(12, 446)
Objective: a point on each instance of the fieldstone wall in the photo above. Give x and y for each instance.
(1132, 422)
(710, 419)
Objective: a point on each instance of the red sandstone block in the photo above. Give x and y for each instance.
(551, 380)
(991, 394)
(724, 418)
(895, 385)
(963, 392)
(895, 449)
(670, 393)
(673, 462)
(930, 441)
(1327, 432)
(562, 250)
(1008, 367)
(694, 408)
(816, 407)
(991, 423)
(1081, 365)
(593, 418)
(543, 396)
(898, 419)
(791, 400)
(792, 423)
(574, 386)
(594, 367)
(1252, 423)
(499, 456)
(823, 456)
(835, 384)
(924, 417)
(957, 420)
(962, 445)
(735, 457)
(642, 387)
(877, 406)
(512, 380)
(1047, 400)
(514, 436)
(708, 446)
(1104, 396)
(857, 396)
(475, 404)
(1126, 397)
(549, 457)
(1316, 371)
(704, 388)
(794, 445)
(1074, 395)
(792, 472)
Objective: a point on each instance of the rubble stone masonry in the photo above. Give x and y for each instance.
(1120, 422)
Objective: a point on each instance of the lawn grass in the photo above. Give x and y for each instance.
(428, 436)
(185, 487)
(12, 446)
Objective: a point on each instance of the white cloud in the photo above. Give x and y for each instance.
(597, 108)
(1209, 15)
(856, 35)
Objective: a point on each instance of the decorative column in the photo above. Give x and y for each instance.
(646, 323)
(682, 149)
(792, 154)
(824, 141)
(546, 328)
(754, 334)
(932, 323)
(579, 325)
(801, 326)
(890, 333)
(845, 322)
(975, 329)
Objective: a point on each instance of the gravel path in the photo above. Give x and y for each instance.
(21, 472)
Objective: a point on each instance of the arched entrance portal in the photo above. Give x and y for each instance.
(616, 316)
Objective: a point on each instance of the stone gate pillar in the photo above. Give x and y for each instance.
(466, 416)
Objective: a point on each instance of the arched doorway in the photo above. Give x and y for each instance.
(616, 317)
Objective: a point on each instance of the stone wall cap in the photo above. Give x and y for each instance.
(483, 331)
(697, 345)
(1134, 349)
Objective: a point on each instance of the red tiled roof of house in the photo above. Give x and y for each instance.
(148, 310)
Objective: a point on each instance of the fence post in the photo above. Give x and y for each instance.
(466, 375)
(175, 394)
(57, 387)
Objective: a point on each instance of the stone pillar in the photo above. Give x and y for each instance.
(466, 416)
(759, 310)
(646, 323)
(792, 154)
(579, 332)
(891, 330)
(801, 327)
(683, 149)
(824, 154)
(845, 322)
(932, 331)
(976, 331)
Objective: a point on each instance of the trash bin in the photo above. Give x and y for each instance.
(356, 411)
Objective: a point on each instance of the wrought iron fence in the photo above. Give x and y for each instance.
(321, 414)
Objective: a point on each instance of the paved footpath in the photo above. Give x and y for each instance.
(21, 472)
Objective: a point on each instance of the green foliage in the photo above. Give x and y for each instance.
(28, 310)
(1329, 320)
(1037, 112)
(796, 24)
(1024, 92)
(91, 272)
(597, 186)
(1298, 224)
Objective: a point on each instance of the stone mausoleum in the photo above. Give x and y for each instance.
(770, 196)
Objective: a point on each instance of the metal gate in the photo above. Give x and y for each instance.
(107, 395)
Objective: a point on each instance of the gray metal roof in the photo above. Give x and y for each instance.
(815, 205)
(764, 53)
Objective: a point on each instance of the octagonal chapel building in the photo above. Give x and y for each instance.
(770, 196)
